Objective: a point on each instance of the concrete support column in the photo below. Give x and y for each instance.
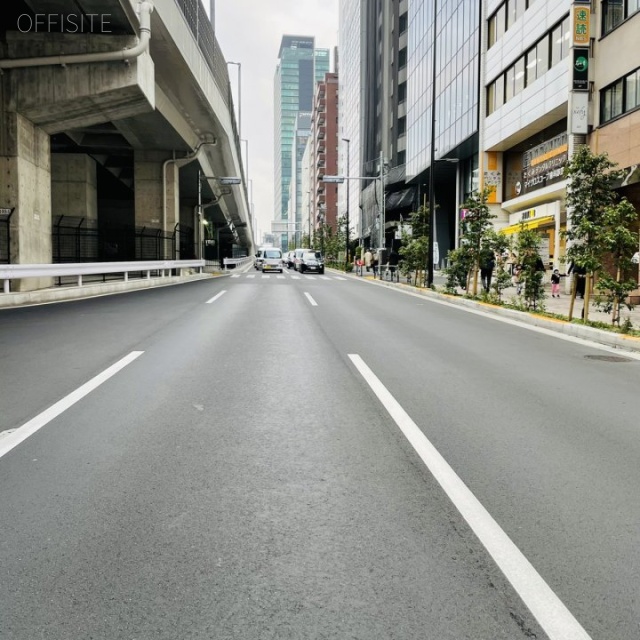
(74, 189)
(153, 209)
(25, 183)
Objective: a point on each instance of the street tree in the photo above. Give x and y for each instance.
(590, 192)
(474, 229)
(528, 249)
(619, 243)
(414, 249)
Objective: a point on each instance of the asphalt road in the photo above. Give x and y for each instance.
(246, 474)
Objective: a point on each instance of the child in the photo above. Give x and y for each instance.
(555, 283)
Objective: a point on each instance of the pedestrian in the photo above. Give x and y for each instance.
(517, 278)
(581, 278)
(555, 283)
(368, 259)
(487, 265)
(374, 263)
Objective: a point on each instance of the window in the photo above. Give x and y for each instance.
(632, 91)
(612, 101)
(542, 51)
(518, 76)
(509, 83)
(612, 14)
(556, 45)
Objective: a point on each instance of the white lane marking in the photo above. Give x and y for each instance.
(235, 275)
(35, 424)
(325, 278)
(266, 275)
(310, 277)
(218, 295)
(340, 278)
(295, 277)
(311, 300)
(280, 277)
(251, 275)
(552, 615)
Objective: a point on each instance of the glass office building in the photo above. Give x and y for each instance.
(454, 40)
(300, 66)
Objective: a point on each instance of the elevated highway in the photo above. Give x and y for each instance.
(117, 120)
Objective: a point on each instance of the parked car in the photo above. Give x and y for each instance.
(272, 260)
(311, 261)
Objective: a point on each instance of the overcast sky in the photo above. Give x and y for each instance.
(249, 32)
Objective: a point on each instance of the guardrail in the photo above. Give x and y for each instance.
(11, 272)
(238, 262)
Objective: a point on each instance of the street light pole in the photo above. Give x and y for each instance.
(346, 255)
(432, 195)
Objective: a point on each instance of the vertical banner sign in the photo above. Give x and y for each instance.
(580, 69)
(581, 24)
(579, 106)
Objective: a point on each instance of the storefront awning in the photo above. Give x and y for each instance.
(528, 224)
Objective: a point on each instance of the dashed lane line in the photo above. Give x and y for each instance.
(35, 424)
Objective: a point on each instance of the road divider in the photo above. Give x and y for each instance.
(550, 612)
(35, 424)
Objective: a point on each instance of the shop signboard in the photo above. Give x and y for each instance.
(581, 24)
(544, 164)
(580, 69)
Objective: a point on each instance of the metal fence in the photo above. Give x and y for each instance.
(78, 240)
(5, 235)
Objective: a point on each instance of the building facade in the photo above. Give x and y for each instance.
(299, 66)
(324, 153)
(443, 109)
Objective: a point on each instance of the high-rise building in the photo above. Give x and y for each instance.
(442, 119)
(373, 98)
(300, 65)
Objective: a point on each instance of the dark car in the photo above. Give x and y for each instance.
(311, 261)
(289, 259)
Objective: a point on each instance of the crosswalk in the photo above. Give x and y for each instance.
(284, 276)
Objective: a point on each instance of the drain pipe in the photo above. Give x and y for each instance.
(146, 9)
(179, 162)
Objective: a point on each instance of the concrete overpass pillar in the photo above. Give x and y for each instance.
(152, 209)
(74, 188)
(25, 183)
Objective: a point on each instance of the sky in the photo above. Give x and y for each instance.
(249, 32)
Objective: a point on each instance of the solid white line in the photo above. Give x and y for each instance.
(35, 424)
(552, 615)
(311, 300)
(218, 295)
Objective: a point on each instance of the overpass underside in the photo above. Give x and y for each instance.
(116, 159)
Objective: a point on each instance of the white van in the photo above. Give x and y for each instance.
(271, 260)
